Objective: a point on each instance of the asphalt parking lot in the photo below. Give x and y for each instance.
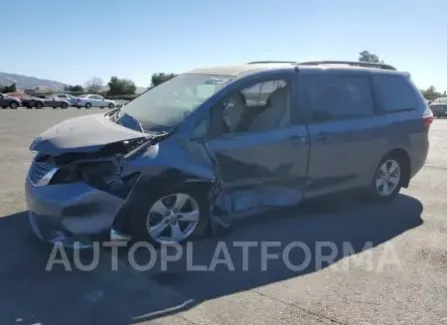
(411, 231)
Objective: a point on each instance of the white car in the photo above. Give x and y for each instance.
(92, 100)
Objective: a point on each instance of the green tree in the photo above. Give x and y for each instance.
(430, 93)
(8, 89)
(118, 87)
(94, 85)
(75, 88)
(160, 77)
(366, 56)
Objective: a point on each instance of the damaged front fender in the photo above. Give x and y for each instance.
(164, 166)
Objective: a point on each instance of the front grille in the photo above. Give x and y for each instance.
(39, 169)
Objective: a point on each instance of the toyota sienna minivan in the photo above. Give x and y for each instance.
(217, 144)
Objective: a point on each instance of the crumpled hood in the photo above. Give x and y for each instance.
(82, 134)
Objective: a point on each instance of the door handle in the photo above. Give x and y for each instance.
(300, 138)
(323, 136)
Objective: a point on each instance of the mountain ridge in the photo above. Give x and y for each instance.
(27, 82)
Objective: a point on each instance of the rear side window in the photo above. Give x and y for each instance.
(333, 97)
(395, 93)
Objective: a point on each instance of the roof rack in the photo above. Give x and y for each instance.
(352, 63)
(267, 62)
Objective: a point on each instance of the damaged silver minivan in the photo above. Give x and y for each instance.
(214, 145)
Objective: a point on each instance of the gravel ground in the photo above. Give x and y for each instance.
(410, 234)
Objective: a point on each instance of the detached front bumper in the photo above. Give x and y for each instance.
(70, 213)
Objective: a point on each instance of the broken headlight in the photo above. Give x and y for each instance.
(104, 176)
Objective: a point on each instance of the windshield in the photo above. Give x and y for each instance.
(440, 100)
(169, 103)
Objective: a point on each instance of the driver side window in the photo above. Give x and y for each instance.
(260, 107)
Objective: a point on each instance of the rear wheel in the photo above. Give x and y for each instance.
(388, 179)
(173, 216)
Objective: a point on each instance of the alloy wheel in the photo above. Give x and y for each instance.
(388, 178)
(173, 218)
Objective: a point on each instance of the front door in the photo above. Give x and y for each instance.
(260, 150)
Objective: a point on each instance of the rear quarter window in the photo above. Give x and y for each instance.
(395, 93)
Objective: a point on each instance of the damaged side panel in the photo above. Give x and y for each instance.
(259, 172)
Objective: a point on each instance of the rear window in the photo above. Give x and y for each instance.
(395, 93)
(333, 97)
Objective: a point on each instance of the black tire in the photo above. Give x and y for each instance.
(28, 106)
(374, 195)
(64, 105)
(13, 105)
(111, 106)
(88, 105)
(39, 105)
(137, 224)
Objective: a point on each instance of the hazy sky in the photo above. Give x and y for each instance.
(74, 40)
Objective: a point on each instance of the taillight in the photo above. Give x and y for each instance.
(428, 120)
(427, 117)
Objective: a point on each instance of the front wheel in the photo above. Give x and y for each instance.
(173, 216)
(88, 105)
(13, 105)
(111, 105)
(387, 180)
(64, 105)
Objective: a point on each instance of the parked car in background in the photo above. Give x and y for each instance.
(8, 101)
(72, 100)
(31, 101)
(51, 101)
(93, 100)
(216, 145)
(55, 102)
(439, 107)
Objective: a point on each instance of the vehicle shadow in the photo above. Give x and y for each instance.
(343, 228)
(31, 294)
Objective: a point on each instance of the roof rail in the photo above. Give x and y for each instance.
(352, 63)
(267, 62)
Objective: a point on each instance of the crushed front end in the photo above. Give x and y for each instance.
(75, 196)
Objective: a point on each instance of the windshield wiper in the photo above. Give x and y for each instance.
(149, 140)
